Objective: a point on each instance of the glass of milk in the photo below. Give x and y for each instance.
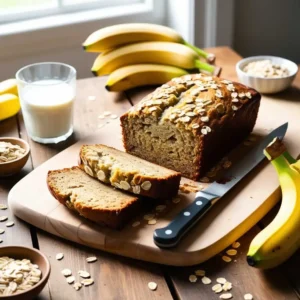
(47, 92)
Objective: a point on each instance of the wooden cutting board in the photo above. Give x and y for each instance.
(229, 219)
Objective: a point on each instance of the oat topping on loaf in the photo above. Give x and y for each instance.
(191, 100)
(128, 172)
(172, 125)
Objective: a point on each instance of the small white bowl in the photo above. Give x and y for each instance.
(267, 85)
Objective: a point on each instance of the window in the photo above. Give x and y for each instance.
(18, 10)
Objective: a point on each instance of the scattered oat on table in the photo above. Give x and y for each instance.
(152, 222)
(217, 288)
(248, 297)
(84, 274)
(152, 286)
(9, 224)
(101, 117)
(3, 206)
(149, 217)
(66, 272)
(136, 223)
(113, 116)
(87, 282)
(221, 280)
(1, 241)
(206, 280)
(236, 245)
(70, 279)
(91, 98)
(176, 200)
(59, 256)
(226, 296)
(91, 259)
(3, 218)
(200, 272)
(226, 258)
(77, 286)
(160, 208)
(227, 286)
(106, 113)
(193, 278)
(231, 252)
(2, 231)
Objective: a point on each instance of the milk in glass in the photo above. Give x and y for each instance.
(48, 108)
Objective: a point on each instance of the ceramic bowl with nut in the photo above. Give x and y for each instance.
(14, 153)
(266, 74)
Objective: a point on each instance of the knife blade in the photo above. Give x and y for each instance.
(170, 235)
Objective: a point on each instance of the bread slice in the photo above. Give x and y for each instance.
(90, 198)
(128, 172)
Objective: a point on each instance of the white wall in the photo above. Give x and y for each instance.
(267, 27)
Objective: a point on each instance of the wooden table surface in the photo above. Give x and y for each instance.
(122, 278)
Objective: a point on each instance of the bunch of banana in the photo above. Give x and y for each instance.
(9, 100)
(133, 53)
(281, 238)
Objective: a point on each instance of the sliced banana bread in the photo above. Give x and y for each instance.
(90, 198)
(190, 123)
(128, 172)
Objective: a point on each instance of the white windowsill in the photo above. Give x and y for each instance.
(74, 18)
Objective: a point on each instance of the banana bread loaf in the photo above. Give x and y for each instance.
(92, 199)
(190, 123)
(128, 172)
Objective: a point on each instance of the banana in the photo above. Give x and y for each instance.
(9, 86)
(139, 75)
(121, 34)
(280, 239)
(9, 106)
(165, 53)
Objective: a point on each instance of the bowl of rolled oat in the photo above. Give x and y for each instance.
(14, 153)
(24, 272)
(266, 74)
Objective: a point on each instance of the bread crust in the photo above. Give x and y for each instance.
(162, 188)
(113, 218)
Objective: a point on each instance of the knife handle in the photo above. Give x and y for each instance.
(170, 235)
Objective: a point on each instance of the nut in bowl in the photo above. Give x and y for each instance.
(14, 153)
(24, 272)
(266, 74)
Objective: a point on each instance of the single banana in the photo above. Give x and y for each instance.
(122, 34)
(165, 53)
(140, 75)
(9, 106)
(281, 238)
(9, 86)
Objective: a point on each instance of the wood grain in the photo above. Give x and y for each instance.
(115, 277)
(261, 284)
(9, 127)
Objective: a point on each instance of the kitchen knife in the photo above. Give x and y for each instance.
(170, 235)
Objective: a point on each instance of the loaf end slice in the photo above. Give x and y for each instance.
(93, 200)
(128, 172)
